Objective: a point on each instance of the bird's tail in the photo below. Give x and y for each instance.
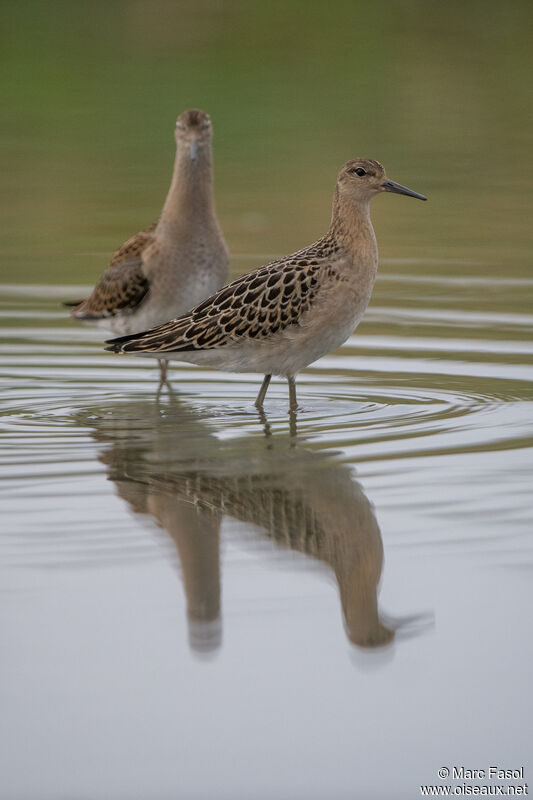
(120, 343)
(72, 303)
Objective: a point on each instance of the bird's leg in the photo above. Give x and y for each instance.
(262, 391)
(293, 403)
(163, 367)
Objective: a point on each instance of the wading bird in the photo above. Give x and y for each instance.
(281, 317)
(177, 261)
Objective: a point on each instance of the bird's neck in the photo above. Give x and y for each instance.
(190, 200)
(351, 226)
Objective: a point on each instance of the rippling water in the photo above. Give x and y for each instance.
(188, 583)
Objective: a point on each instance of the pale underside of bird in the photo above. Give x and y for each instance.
(164, 270)
(285, 315)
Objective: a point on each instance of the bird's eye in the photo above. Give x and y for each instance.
(359, 171)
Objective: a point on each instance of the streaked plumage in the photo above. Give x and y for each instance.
(255, 306)
(281, 317)
(160, 272)
(123, 285)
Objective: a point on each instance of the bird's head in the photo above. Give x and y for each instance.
(362, 178)
(193, 131)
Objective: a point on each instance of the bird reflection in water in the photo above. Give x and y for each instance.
(165, 461)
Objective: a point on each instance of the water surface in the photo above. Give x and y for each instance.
(186, 582)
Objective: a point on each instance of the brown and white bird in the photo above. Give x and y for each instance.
(177, 261)
(281, 317)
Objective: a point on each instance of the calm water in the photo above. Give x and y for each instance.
(198, 601)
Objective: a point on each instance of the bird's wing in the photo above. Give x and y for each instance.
(255, 306)
(123, 285)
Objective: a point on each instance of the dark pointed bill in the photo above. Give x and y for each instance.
(397, 188)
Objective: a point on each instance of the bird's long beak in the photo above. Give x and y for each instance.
(397, 188)
(193, 149)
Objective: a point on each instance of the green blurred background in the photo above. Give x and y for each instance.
(440, 92)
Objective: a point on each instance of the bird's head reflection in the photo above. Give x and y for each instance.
(166, 462)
